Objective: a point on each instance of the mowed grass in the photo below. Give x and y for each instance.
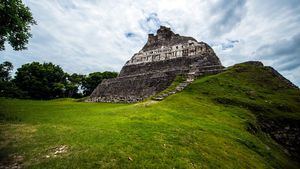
(186, 130)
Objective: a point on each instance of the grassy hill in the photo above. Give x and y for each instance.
(218, 121)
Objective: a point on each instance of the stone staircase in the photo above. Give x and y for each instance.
(177, 89)
(200, 68)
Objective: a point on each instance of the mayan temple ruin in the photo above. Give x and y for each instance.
(165, 56)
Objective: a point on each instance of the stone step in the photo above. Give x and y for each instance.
(213, 66)
(208, 67)
(192, 72)
(158, 98)
(211, 70)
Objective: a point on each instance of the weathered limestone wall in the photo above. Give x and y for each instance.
(181, 64)
(132, 89)
(189, 48)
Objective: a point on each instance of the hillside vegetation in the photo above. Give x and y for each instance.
(231, 120)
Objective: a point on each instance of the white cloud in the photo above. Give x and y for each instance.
(85, 36)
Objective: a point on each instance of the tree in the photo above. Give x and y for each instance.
(5, 78)
(41, 81)
(5, 70)
(15, 22)
(7, 85)
(93, 79)
(47, 81)
(74, 83)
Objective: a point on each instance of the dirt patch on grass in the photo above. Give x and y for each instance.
(57, 151)
(12, 134)
(12, 162)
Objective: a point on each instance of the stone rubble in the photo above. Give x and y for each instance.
(54, 152)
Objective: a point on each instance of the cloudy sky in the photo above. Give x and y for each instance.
(84, 36)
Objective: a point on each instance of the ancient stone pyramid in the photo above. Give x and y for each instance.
(151, 70)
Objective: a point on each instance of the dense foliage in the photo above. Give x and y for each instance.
(41, 81)
(7, 87)
(74, 83)
(15, 22)
(5, 70)
(47, 81)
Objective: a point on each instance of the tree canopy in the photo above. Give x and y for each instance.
(74, 83)
(41, 81)
(47, 81)
(5, 70)
(15, 23)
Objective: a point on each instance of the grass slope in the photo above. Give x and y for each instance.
(191, 129)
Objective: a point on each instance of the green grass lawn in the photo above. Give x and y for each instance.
(186, 130)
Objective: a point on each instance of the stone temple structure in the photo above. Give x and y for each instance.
(165, 56)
